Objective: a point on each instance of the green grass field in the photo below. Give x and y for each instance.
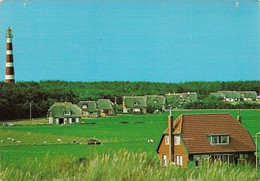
(35, 139)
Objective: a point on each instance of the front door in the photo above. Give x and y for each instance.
(61, 120)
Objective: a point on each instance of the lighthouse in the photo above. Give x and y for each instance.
(9, 67)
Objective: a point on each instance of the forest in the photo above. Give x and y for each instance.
(15, 98)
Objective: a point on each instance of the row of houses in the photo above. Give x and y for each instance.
(233, 96)
(144, 104)
(68, 113)
(63, 113)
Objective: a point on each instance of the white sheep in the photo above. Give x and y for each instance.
(150, 140)
(44, 142)
(9, 138)
(59, 140)
(18, 141)
(13, 140)
(2, 141)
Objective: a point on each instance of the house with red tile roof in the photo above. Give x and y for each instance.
(197, 139)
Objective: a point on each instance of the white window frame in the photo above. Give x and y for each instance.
(179, 160)
(177, 140)
(167, 141)
(164, 160)
(219, 139)
(67, 113)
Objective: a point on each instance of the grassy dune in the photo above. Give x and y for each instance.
(120, 165)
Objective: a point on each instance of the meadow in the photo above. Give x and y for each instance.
(36, 144)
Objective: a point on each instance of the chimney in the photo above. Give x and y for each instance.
(170, 127)
(239, 118)
(9, 68)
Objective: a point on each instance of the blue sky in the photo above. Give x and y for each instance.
(160, 41)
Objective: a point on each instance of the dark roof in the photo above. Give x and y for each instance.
(135, 101)
(195, 128)
(248, 94)
(230, 94)
(89, 106)
(104, 104)
(156, 100)
(57, 110)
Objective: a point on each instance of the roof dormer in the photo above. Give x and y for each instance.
(218, 139)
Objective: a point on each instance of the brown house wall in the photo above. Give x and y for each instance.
(178, 150)
(163, 150)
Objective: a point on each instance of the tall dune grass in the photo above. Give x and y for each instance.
(120, 165)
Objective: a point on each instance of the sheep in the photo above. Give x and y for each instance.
(13, 140)
(150, 140)
(44, 142)
(59, 140)
(18, 141)
(2, 141)
(9, 138)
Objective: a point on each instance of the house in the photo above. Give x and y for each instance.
(64, 113)
(105, 106)
(135, 104)
(189, 96)
(248, 95)
(156, 103)
(230, 96)
(196, 139)
(89, 109)
(175, 100)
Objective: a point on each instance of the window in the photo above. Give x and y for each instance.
(164, 160)
(179, 160)
(67, 112)
(177, 140)
(166, 140)
(218, 139)
(136, 103)
(84, 106)
(224, 139)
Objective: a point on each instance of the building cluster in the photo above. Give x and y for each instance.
(199, 139)
(155, 103)
(68, 113)
(234, 96)
(62, 113)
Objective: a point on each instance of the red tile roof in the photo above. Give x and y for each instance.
(195, 128)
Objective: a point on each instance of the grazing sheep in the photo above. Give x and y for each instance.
(13, 140)
(9, 138)
(150, 140)
(18, 141)
(29, 133)
(2, 141)
(59, 140)
(44, 142)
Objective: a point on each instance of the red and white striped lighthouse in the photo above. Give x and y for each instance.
(9, 67)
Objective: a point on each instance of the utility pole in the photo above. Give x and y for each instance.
(31, 111)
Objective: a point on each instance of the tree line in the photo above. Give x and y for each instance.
(15, 98)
